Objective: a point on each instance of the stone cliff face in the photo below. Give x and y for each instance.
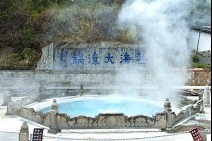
(199, 77)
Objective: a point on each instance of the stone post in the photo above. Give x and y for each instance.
(7, 98)
(10, 108)
(41, 89)
(53, 118)
(203, 135)
(81, 89)
(207, 96)
(169, 115)
(201, 104)
(24, 132)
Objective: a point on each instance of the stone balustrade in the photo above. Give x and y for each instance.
(58, 121)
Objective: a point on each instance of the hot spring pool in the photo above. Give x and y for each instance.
(92, 106)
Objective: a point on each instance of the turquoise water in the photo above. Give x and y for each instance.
(93, 106)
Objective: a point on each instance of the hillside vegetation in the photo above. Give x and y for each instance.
(29, 25)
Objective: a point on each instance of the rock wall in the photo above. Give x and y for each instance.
(99, 56)
(66, 66)
(24, 81)
(199, 77)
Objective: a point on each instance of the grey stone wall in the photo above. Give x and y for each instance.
(99, 56)
(69, 66)
(46, 60)
(24, 81)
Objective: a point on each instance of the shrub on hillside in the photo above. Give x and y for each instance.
(195, 59)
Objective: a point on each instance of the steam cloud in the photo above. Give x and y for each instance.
(163, 30)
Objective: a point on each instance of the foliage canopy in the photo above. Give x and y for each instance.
(29, 25)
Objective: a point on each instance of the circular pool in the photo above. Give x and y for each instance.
(92, 106)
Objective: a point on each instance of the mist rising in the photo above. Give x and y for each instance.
(162, 26)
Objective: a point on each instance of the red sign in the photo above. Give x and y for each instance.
(196, 135)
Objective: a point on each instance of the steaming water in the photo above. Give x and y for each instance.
(163, 29)
(93, 106)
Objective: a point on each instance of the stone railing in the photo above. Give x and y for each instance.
(57, 121)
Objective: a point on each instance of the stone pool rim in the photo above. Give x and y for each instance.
(38, 106)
